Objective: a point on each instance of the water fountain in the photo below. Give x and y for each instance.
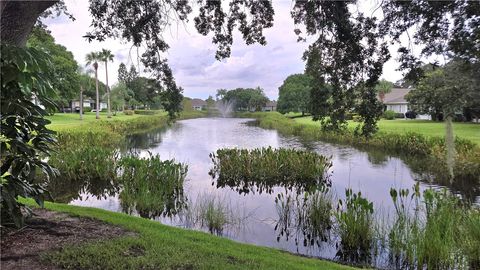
(225, 107)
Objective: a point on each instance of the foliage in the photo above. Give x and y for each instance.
(347, 55)
(355, 227)
(294, 94)
(389, 114)
(129, 112)
(442, 91)
(118, 96)
(210, 102)
(152, 187)
(65, 79)
(246, 98)
(383, 87)
(262, 169)
(25, 139)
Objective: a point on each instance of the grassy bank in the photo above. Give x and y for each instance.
(119, 122)
(165, 247)
(409, 144)
(468, 131)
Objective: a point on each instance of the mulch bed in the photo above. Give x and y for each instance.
(48, 231)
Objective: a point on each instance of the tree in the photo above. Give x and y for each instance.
(383, 87)
(122, 73)
(246, 98)
(106, 56)
(119, 96)
(210, 102)
(92, 59)
(294, 94)
(64, 76)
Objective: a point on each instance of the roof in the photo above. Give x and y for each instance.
(196, 102)
(396, 96)
(271, 104)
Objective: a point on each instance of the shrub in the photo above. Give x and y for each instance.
(129, 112)
(146, 112)
(87, 109)
(104, 110)
(411, 115)
(399, 115)
(389, 115)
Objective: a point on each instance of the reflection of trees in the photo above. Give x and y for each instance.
(377, 158)
(145, 140)
(432, 171)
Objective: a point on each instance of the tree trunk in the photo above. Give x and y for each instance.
(109, 115)
(97, 112)
(18, 19)
(450, 145)
(81, 102)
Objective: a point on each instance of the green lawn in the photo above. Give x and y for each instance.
(170, 248)
(70, 120)
(470, 131)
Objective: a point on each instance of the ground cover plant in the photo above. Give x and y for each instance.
(262, 169)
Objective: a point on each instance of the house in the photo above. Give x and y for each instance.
(270, 106)
(198, 104)
(395, 101)
(87, 102)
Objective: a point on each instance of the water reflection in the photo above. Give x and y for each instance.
(190, 142)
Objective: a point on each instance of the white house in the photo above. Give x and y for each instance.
(198, 104)
(395, 101)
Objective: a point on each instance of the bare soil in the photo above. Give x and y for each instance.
(47, 231)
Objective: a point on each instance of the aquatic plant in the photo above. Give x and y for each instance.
(152, 187)
(355, 226)
(213, 212)
(308, 217)
(262, 169)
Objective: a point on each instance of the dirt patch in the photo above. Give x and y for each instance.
(47, 231)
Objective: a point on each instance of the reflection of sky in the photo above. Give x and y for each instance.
(191, 141)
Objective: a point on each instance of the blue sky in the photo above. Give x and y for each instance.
(192, 56)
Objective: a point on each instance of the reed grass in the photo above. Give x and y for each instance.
(262, 169)
(152, 187)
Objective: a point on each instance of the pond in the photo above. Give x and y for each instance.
(191, 142)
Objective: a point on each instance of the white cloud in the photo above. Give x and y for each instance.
(192, 56)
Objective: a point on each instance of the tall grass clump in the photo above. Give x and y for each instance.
(213, 212)
(152, 187)
(433, 231)
(355, 227)
(308, 217)
(262, 169)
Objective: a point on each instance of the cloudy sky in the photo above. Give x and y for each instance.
(192, 56)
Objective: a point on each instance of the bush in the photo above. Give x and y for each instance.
(129, 112)
(399, 115)
(411, 115)
(87, 109)
(104, 110)
(349, 116)
(389, 115)
(146, 112)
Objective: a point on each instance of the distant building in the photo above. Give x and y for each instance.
(87, 102)
(198, 104)
(395, 101)
(270, 106)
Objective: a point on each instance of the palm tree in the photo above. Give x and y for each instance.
(106, 56)
(383, 87)
(92, 59)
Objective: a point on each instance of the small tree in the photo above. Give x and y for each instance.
(294, 94)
